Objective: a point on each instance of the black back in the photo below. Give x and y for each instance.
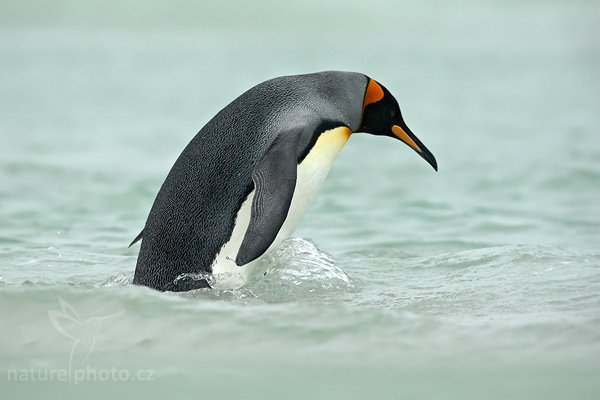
(194, 212)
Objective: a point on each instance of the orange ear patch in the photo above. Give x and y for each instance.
(373, 94)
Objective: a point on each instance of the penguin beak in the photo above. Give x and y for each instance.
(404, 134)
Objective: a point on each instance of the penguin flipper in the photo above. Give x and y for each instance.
(274, 179)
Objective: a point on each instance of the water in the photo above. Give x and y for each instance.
(479, 281)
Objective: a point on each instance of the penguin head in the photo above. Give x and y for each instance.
(381, 116)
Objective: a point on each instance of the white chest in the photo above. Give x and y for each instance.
(311, 174)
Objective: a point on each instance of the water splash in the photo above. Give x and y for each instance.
(297, 270)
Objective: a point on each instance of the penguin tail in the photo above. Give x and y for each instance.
(137, 239)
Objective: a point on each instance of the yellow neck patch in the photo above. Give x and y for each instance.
(328, 146)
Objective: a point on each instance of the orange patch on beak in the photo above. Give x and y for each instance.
(373, 94)
(399, 132)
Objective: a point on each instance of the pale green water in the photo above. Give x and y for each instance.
(480, 281)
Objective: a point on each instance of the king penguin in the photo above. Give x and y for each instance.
(244, 182)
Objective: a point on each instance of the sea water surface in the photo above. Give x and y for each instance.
(479, 281)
